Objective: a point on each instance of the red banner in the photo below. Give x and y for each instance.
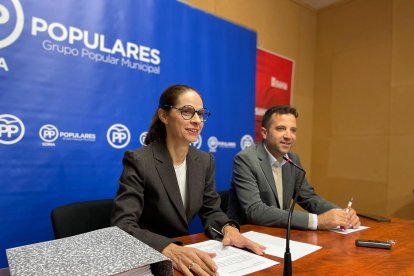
(274, 79)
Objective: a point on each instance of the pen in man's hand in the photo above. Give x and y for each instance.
(348, 208)
(217, 231)
(349, 205)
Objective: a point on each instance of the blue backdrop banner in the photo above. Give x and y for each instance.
(79, 83)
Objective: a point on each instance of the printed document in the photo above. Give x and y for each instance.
(276, 246)
(349, 230)
(233, 261)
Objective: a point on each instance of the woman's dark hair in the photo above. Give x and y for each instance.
(278, 109)
(168, 98)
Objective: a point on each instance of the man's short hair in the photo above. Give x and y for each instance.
(278, 109)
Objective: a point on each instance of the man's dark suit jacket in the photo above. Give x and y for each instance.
(148, 203)
(253, 196)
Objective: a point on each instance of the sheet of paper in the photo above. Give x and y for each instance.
(234, 261)
(349, 230)
(276, 246)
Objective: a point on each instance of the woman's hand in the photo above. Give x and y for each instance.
(191, 261)
(232, 236)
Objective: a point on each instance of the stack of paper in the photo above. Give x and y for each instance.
(276, 246)
(233, 261)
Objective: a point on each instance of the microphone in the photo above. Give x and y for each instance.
(287, 261)
(293, 163)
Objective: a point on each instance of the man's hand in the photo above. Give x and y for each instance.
(353, 219)
(232, 236)
(191, 261)
(338, 217)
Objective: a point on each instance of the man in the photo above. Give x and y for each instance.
(263, 183)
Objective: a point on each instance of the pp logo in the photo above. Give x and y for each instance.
(212, 143)
(18, 28)
(246, 141)
(197, 144)
(11, 129)
(118, 136)
(48, 133)
(142, 138)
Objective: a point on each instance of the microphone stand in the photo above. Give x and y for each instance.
(287, 260)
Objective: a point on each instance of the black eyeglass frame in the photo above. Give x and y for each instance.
(203, 116)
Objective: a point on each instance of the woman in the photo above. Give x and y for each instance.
(165, 184)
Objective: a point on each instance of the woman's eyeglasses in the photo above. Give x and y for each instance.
(188, 111)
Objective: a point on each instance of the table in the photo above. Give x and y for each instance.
(339, 255)
(4, 272)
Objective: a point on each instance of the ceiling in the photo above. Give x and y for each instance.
(318, 4)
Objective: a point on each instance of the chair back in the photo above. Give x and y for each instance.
(81, 217)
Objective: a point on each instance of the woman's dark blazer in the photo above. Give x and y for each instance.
(148, 203)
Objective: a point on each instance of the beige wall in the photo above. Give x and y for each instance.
(354, 88)
(283, 27)
(401, 132)
(363, 137)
